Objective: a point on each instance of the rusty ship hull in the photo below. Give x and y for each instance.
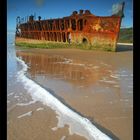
(85, 28)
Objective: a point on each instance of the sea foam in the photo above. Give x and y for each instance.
(26, 104)
(26, 114)
(78, 124)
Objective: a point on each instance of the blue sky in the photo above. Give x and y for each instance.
(59, 8)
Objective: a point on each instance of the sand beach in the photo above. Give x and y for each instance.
(97, 85)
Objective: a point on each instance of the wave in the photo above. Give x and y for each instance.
(11, 33)
(78, 124)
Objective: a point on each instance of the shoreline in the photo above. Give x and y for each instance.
(89, 57)
(104, 130)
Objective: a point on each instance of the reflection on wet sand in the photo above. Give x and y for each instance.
(62, 68)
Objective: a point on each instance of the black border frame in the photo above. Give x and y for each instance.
(3, 70)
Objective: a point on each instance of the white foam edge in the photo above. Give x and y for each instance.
(108, 81)
(25, 104)
(16, 96)
(114, 76)
(10, 94)
(48, 99)
(39, 109)
(70, 63)
(63, 138)
(54, 128)
(25, 114)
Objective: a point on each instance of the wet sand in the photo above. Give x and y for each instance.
(40, 124)
(96, 84)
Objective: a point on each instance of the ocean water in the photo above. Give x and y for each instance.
(24, 91)
(16, 92)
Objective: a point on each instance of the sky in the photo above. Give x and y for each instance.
(60, 8)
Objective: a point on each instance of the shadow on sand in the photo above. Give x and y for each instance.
(122, 48)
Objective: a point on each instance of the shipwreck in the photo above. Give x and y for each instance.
(83, 27)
